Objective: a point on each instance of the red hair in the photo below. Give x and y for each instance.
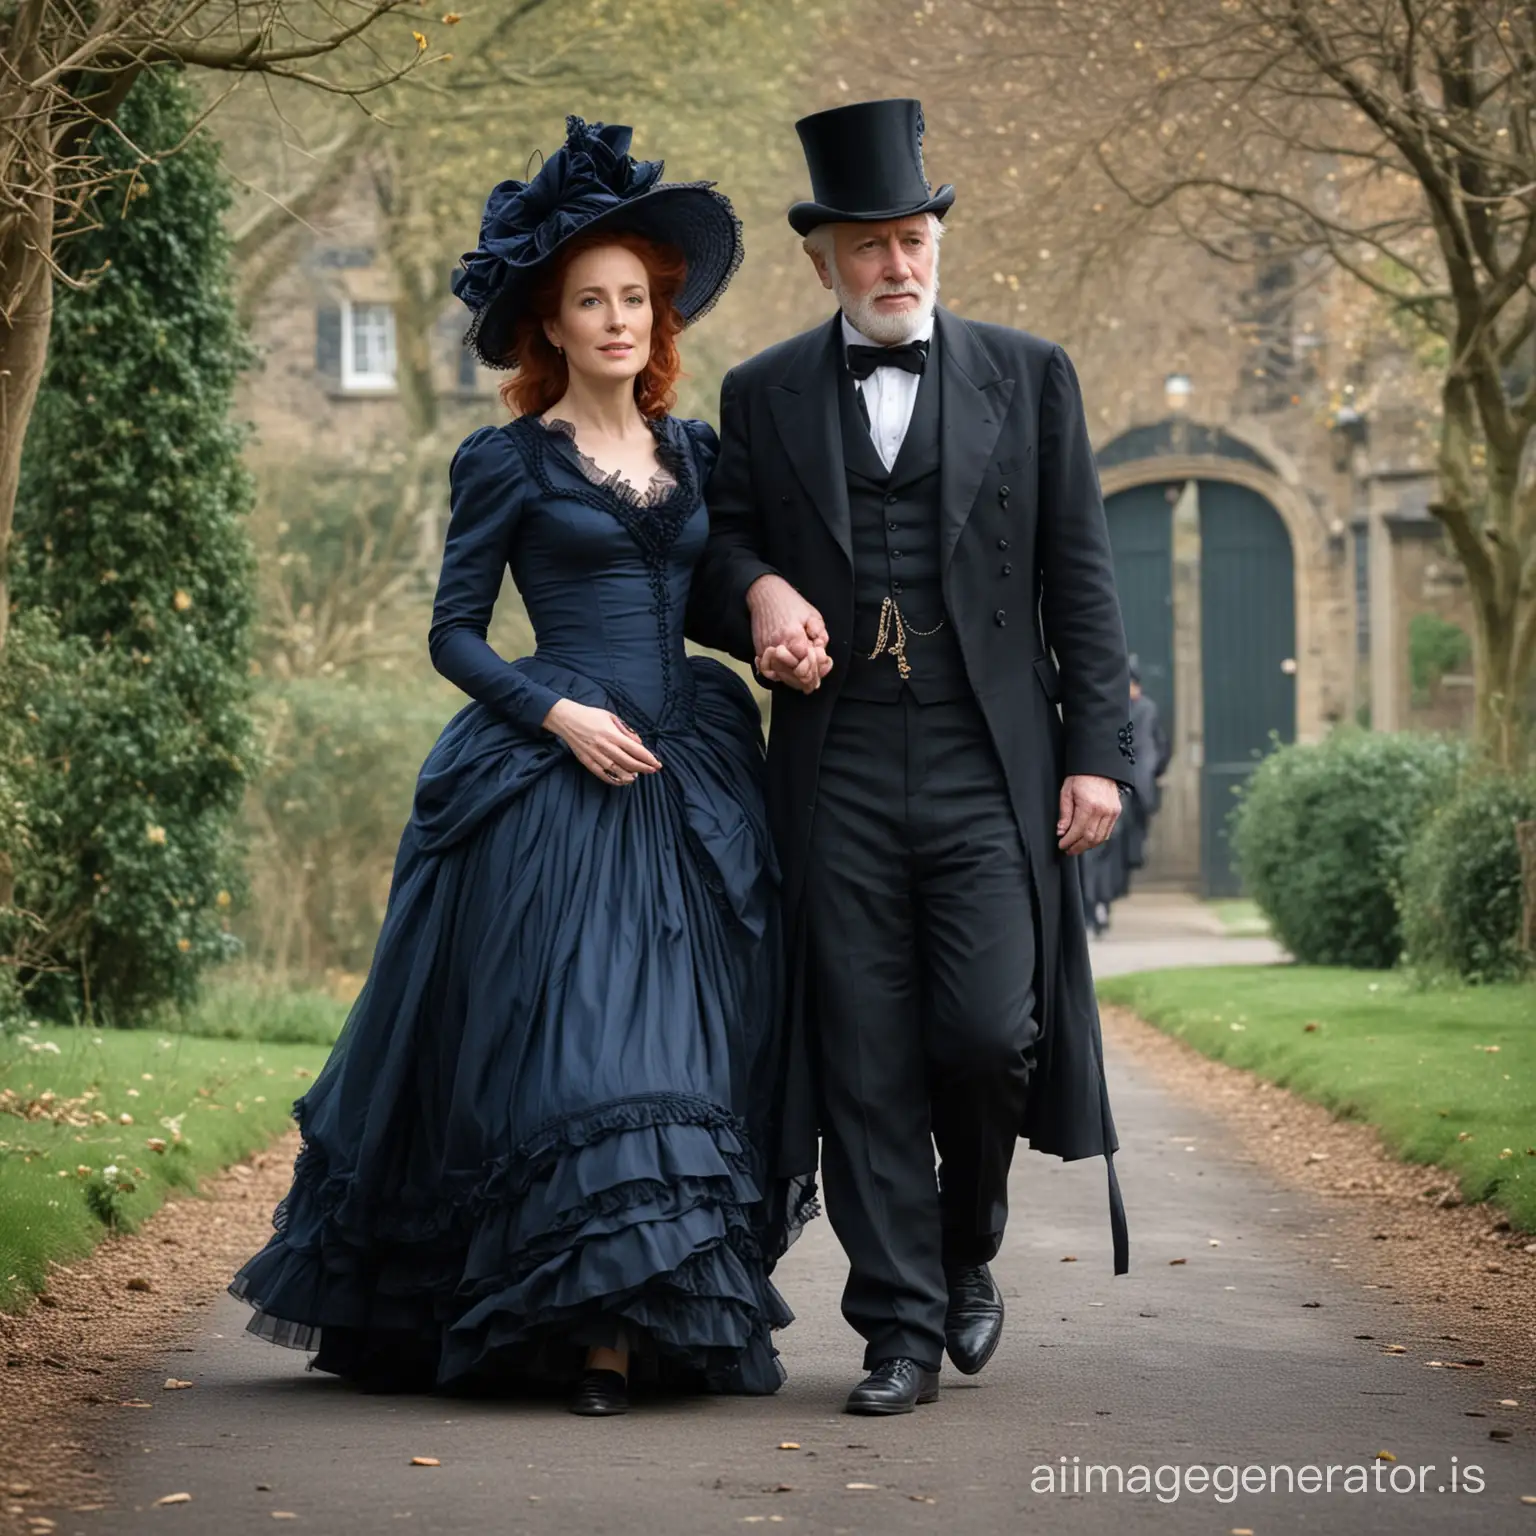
(541, 375)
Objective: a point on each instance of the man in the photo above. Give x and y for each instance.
(1151, 764)
(899, 494)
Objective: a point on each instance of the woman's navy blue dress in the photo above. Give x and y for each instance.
(548, 1115)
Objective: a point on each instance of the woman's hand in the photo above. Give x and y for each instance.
(603, 743)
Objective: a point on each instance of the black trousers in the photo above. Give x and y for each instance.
(921, 946)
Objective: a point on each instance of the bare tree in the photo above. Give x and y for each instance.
(65, 69)
(1393, 141)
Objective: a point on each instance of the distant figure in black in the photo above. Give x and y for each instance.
(1107, 869)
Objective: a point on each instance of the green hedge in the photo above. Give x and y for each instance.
(1461, 899)
(1321, 833)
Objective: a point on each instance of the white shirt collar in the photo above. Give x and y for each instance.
(854, 337)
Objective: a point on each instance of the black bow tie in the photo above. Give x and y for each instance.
(911, 355)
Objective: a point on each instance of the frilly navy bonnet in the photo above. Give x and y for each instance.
(590, 182)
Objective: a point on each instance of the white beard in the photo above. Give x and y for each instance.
(886, 329)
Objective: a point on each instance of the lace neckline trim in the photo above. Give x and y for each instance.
(658, 488)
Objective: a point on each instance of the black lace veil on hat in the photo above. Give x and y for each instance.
(591, 182)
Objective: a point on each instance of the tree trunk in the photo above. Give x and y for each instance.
(26, 314)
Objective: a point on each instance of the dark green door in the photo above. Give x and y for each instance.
(1141, 535)
(1248, 650)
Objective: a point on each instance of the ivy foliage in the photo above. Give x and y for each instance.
(131, 544)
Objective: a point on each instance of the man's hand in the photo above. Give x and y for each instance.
(1090, 807)
(789, 636)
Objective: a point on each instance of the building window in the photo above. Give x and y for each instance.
(367, 346)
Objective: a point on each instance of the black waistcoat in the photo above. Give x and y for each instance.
(897, 551)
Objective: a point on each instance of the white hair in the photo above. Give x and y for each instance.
(859, 308)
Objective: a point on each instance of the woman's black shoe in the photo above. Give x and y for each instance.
(600, 1394)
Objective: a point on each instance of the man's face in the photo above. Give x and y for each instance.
(884, 275)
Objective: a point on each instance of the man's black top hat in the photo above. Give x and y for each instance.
(589, 183)
(866, 165)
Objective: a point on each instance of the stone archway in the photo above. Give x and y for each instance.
(1209, 545)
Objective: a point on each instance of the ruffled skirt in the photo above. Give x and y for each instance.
(550, 1118)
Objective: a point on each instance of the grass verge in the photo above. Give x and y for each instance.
(1240, 918)
(1448, 1077)
(164, 1109)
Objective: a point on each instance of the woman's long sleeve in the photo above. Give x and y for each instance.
(488, 488)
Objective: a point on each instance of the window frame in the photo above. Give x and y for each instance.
(353, 378)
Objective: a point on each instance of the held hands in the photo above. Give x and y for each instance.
(789, 636)
(1090, 807)
(603, 743)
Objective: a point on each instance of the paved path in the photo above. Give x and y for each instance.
(1245, 1355)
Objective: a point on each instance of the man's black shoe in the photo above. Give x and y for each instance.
(894, 1386)
(973, 1326)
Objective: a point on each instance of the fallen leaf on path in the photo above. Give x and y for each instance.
(172, 1385)
(1509, 1402)
(868, 1486)
(789, 1445)
(1385, 1456)
(1394, 1349)
(921, 1498)
(1213, 1242)
(425, 1461)
(18, 1490)
(1528, 1498)
(174, 1498)
(1501, 1434)
(139, 1283)
(1178, 1261)
(1069, 1258)
(134, 1402)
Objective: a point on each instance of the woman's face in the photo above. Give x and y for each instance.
(604, 320)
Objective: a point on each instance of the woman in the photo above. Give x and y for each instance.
(543, 1146)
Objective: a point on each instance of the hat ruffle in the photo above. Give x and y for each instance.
(525, 221)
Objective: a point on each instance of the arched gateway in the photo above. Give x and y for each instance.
(1206, 571)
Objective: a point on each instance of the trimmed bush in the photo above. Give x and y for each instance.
(1321, 833)
(1461, 890)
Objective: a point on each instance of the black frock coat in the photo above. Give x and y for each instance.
(1028, 586)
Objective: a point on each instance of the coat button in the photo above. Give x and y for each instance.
(1002, 543)
(1007, 570)
(895, 554)
(1001, 617)
(1004, 494)
(891, 499)
(891, 526)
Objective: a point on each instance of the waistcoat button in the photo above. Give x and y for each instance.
(1002, 543)
(1007, 570)
(1001, 617)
